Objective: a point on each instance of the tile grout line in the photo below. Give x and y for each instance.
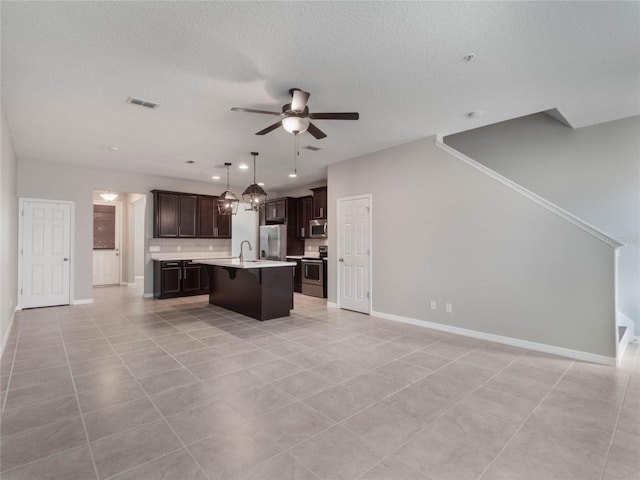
(615, 429)
(339, 423)
(75, 391)
(483, 473)
(156, 407)
(427, 426)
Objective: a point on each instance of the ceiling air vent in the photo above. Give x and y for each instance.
(142, 103)
(312, 148)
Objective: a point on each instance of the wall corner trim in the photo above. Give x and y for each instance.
(590, 229)
(332, 305)
(513, 342)
(147, 295)
(82, 301)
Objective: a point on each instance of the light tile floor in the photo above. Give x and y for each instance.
(128, 388)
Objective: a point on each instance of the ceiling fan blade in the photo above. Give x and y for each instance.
(251, 110)
(316, 132)
(335, 116)
(299, 100)
(270, 128)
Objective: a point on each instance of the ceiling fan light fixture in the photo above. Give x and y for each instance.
(108, 196)
(295, 125)
(228, 202)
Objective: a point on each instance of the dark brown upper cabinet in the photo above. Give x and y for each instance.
(319, 202)
(305, 213)
(276, 210)
(184, 215)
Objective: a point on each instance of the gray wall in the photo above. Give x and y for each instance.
(67, 182)
(139, 254)
(444, 231)
(592, 172)
(8, 230)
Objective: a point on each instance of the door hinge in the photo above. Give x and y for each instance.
(20, 291)
(22, 213)
(368, 295)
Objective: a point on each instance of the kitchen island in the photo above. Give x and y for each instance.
(260, 289)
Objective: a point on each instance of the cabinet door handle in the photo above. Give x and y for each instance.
(321, 212)
(302, 232)
(215, 231)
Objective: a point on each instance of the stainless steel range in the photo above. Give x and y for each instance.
(313, 274)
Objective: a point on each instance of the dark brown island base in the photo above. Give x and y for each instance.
(260, 289)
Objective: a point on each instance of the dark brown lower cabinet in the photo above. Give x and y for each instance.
(179, 278)
(297, 277)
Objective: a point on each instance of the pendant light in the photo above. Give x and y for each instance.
(227, 201)
(109, 197)
(254, 197)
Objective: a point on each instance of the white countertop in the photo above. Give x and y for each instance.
(235, 263)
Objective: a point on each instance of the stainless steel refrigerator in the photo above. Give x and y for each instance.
(273, 242)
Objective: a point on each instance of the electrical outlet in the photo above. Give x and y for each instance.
(154, 248)
(432, 305)
(210, 247)
(179, 248)
(448, 308)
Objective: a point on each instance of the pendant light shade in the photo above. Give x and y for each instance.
(254, 197)
(295, 125)
(227, 201)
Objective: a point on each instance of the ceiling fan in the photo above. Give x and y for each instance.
(296, 115)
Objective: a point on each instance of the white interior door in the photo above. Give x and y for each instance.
(46, 243)
(106, 244)
(354, 253)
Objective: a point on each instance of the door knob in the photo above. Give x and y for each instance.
(341, 259)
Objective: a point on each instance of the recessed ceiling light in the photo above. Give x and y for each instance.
(261, 184)
(475, 114)
(215, 177)
(243, 166)
(189, 161)
(115, 149)
(293, 175)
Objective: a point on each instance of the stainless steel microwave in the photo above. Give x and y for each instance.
(318, 228)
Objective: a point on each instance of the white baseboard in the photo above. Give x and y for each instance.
(514, 342)
(132, 284)
(147, 295)
(139, 277)
(332, 305)
(82, 301)
(5, 339)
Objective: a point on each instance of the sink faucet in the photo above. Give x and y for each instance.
(241, 252)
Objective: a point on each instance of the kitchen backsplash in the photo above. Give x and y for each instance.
(185, 245)
(312, 244)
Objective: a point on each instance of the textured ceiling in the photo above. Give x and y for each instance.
(68, 68)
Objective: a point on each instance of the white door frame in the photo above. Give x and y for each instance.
(339, 202)
(21, 202)
(118, 205)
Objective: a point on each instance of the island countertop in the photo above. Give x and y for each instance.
(235, 263)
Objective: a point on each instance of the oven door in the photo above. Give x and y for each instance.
(312, 272)
(313, 277)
